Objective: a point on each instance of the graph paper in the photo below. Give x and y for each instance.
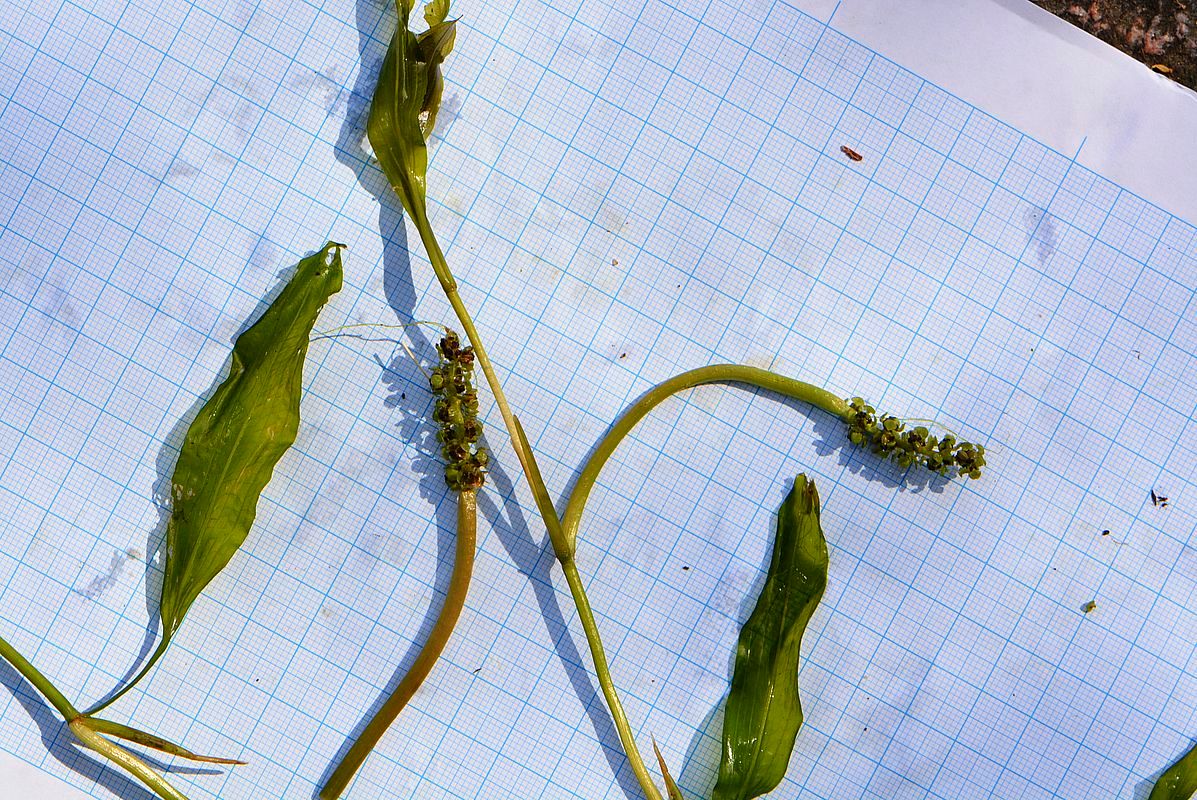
(624, 191)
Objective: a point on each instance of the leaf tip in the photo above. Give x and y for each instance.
(675, 792)
(806, 493)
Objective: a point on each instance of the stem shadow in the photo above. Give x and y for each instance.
(535, 561)
(62, 745)
(402, 376)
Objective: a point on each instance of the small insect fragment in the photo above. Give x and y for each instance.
(1162, 69)
(1090, 606)
(850, 153)
(1158, 500)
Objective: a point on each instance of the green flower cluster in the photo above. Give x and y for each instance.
(457, 414)
(889, 437)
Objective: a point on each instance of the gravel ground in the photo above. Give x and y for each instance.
(1160, 33)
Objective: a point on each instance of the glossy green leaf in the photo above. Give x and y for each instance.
(1179, 781)
(435, 12)
(406, 100)
(764, 712)
(230, 450)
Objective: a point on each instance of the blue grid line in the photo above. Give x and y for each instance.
(563, 401)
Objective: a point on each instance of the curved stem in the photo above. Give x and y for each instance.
(603, 673)
(157, 654)
(39, 681)
(563, 546)
(716, 373)
(442, 629)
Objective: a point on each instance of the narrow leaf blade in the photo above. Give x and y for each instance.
(146, 739)
(671, 787)
(1179, 781)
(764, 711)
(230, 450)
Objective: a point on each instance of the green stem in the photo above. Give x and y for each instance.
(157, 654)
(603, 673)
(459, 586)
(81, 727)
(563, 547)
(39, 681)
(716, 373)
(122, 757)
(440, 266)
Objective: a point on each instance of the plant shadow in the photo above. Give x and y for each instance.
(404, 380)
(164, 465)
(66, 750)
(701, 764)
(535, 561)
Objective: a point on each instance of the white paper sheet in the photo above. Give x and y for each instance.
(624, 192)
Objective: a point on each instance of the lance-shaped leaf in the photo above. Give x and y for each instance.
(1179, 781)
(230, 450)
(406, 100)
(763, 708)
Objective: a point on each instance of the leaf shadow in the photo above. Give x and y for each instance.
(164, 466)
(1144, 788)
(701, 764)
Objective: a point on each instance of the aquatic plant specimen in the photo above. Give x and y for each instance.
(456, 414)
(227, 458)
(857, 417)
(402, 113)
(1179, 781)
